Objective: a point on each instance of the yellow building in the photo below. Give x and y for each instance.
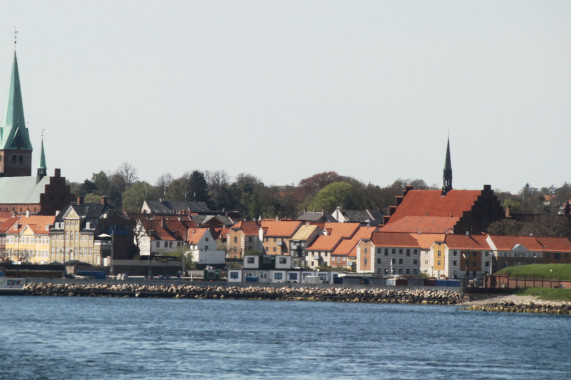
(28, 239)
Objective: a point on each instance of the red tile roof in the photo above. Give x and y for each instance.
(473, 242)
(37, 223)
(325, 243)
(279, 228)
(426, 241)
(248, 228)
(532, 243)
(348, 246)
(422, 224)
(195, 234)
(393, 239)
(432, 203)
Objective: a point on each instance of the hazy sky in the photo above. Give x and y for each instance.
(284, 90)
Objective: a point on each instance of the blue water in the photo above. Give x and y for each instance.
(126, 338)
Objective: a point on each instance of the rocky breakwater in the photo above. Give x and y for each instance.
(333, 294)
(509, 306)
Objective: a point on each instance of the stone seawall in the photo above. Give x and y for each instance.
(513, 307)
(336, 294)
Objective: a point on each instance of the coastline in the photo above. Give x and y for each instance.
(513, 303)
(482, 302)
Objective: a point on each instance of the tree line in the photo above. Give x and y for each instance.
(253, 199)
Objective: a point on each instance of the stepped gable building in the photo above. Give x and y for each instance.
(94, 233)
(20, 192)
(444, 211)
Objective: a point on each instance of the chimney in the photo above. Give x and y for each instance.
(407, 189)
(508, 211)
(27, 213)
(386, 219)
(80, 200)
(57, 173)
(103, 200)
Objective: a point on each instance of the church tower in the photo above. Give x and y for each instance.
(447, 183)
(15, 146)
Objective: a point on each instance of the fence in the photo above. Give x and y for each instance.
(504, 281)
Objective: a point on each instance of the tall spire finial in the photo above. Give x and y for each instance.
(15, 37)
(447, 183)
(42, 167)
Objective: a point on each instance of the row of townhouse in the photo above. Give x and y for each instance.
(329, 244)
(86, 232)
(455, 256)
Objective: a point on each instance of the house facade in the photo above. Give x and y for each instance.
(389, 253)
(243, 238)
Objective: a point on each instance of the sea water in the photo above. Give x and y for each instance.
(127, 338)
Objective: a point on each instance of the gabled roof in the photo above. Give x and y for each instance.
(175, 207)
(6, 224)
(196, 234)
(37, 223)
(22, 190)
(345, 230)
(279, 228)
(315, 216)
(432, 203)
(393, 239)
(325, 243)
(167, 229)
(532, 243)
(347, 247)
(422, 224)
(473, 242)
(426, 241)
(248, 228)
(304, 232)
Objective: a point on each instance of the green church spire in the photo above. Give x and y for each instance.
(42, 167)
(14, 133)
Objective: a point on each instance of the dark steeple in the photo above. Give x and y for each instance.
(447, 183)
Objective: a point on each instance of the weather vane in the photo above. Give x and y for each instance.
(15, 37)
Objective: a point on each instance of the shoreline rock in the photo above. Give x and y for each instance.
(333, 294)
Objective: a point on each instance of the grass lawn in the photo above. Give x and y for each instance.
(546, 293)
(547, 271)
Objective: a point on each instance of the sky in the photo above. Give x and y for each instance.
(283, 90)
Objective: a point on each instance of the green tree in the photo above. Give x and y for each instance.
(331, 196)
(136, 194)
(197, 187)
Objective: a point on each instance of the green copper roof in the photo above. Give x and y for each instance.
(14, 133)
(42, 164)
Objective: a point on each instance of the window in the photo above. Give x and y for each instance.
(274, 249)
(455, 253)
(408, 252)
(416, 251)
(438, 262)
(487, 263)
(454, 263)
(400, 270)
(408, 271)
(400, 261)
(379, 250)
(394, 261)
(394, 251)
(278, 276)
(378, 261)
(283, 260)
(206, 239)
(235, 239)
(249, 239)
(365, 250)
(414, 272)
(400, 251)
(365, 261)
(206, 248)
(547, 255)
(439, 253)
(556, 256)
(251, 260)
(386, 271)
(386, 252)
(234, 275)
(415, 262)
